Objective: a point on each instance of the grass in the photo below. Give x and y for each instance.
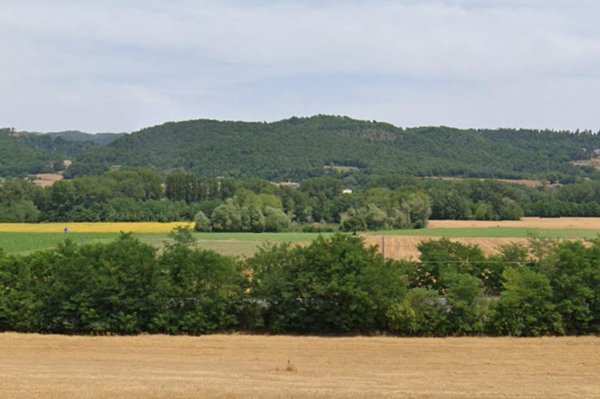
(234, 244)
(19, 243)
(245, 244)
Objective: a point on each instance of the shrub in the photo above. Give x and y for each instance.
(202, 222)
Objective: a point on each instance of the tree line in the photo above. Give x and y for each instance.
(334, 286)
(346, 202)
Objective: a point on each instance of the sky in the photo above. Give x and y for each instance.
(121, 65)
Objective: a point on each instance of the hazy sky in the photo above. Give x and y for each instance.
(120, 65)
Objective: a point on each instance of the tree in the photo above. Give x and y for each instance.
(252, 218)
(575, 279)
(335, 285)
(19, 305)
(421, 312)
(484, 211)
(19, 212)
(182, 236)
(465, 299)
(202, 291)
(449, 204)
(444, 256)
(419, 208)
(202, 222)
(97, 288)
(375, 218)
(510, 210)
(276, 220)
(226, 217)
(353, 221)
(490, 272)
(525, 307)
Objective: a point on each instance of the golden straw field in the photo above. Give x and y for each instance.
(134, 227)
(526, 222)
(238, 366)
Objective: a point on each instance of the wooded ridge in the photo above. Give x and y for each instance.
(299, 148)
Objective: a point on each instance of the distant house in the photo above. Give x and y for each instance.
(290, 184)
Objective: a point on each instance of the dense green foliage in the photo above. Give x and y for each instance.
(23, 153)
(221, 205)
(323, 203)
(75, 135)
(17, 159)
(332, 286)
(299, 148)
(176, 170)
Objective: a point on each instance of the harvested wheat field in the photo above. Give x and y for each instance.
(400, 247)
(218, 366)
(526, 223)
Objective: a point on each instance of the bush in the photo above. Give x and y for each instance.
(332, 286)
(525, 307)
(202, 222)
(422, 312)
(276, 220)
(318, 228)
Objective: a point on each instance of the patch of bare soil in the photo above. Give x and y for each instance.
(47, 179)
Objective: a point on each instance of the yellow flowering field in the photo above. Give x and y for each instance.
(137, 227)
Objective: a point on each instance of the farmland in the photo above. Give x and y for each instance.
(23, 238)
(235, 244)
(145, 227)
(563, 223)
(238, 366)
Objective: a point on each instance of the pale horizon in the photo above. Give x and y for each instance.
(120, 66)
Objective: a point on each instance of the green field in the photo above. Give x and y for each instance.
(245, 244)
(236, 244)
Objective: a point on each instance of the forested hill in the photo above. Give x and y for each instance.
(23, 153)
(298, 148)
(301, 147)
(75, 135)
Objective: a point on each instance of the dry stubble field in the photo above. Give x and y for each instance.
(406, 247)
(399, 248)
(527, 222)
(238, 366)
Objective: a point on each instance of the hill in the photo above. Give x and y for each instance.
(296, 148)
(16, 158)
(23, 153)
(76, 135)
